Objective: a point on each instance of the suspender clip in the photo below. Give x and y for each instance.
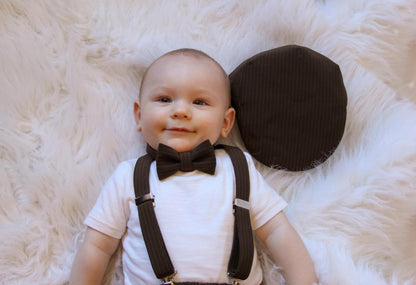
(145, 198)
(168, 280)
(233, 281)
(241, 203)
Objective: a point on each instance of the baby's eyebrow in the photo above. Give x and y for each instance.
(162, 89)
(203, 90)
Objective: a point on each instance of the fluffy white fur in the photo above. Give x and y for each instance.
(70, 71)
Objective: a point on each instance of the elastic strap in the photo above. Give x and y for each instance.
(241, 259)
(156, 248)
(199, 283)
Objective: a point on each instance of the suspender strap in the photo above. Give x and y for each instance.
(156, 248)
(242, 252)
(199, 283)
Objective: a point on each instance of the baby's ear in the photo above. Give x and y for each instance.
(229, 118)
(137, 115)
(291, 106)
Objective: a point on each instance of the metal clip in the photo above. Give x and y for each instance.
(242, 203)
(168, 280)
(145, 198)
(234, 281)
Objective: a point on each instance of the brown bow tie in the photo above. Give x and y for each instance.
(169, 161)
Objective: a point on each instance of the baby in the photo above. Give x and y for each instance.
(185, 102)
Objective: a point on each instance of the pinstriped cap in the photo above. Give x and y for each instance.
(291, 106)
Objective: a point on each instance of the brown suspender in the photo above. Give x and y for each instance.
(242, 252)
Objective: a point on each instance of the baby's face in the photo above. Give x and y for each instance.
(183, 102)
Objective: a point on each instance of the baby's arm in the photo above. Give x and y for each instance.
(92, 258)
(288, 250)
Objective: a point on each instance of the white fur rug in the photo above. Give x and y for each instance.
(70, 71)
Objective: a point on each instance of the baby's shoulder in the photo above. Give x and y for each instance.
(224, 157)
(125, 168)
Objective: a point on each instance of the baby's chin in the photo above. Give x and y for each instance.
(181, 146)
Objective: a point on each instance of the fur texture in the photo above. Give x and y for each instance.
(70, 72)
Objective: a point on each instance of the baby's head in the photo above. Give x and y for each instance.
(184, 100)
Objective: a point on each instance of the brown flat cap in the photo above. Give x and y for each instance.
(291, 106)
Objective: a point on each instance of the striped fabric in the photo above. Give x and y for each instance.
(291, 106)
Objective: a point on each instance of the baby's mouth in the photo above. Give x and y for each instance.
(179, 130)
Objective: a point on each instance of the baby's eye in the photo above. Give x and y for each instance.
(200, 102)
(164, 99)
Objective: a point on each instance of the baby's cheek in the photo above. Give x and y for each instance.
(213, 130)
(211, 125)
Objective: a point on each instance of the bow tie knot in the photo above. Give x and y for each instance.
(185, 159)
(169, 161)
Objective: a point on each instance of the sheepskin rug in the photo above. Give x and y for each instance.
(70, 72)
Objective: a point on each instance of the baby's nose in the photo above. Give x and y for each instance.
(181, 111)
